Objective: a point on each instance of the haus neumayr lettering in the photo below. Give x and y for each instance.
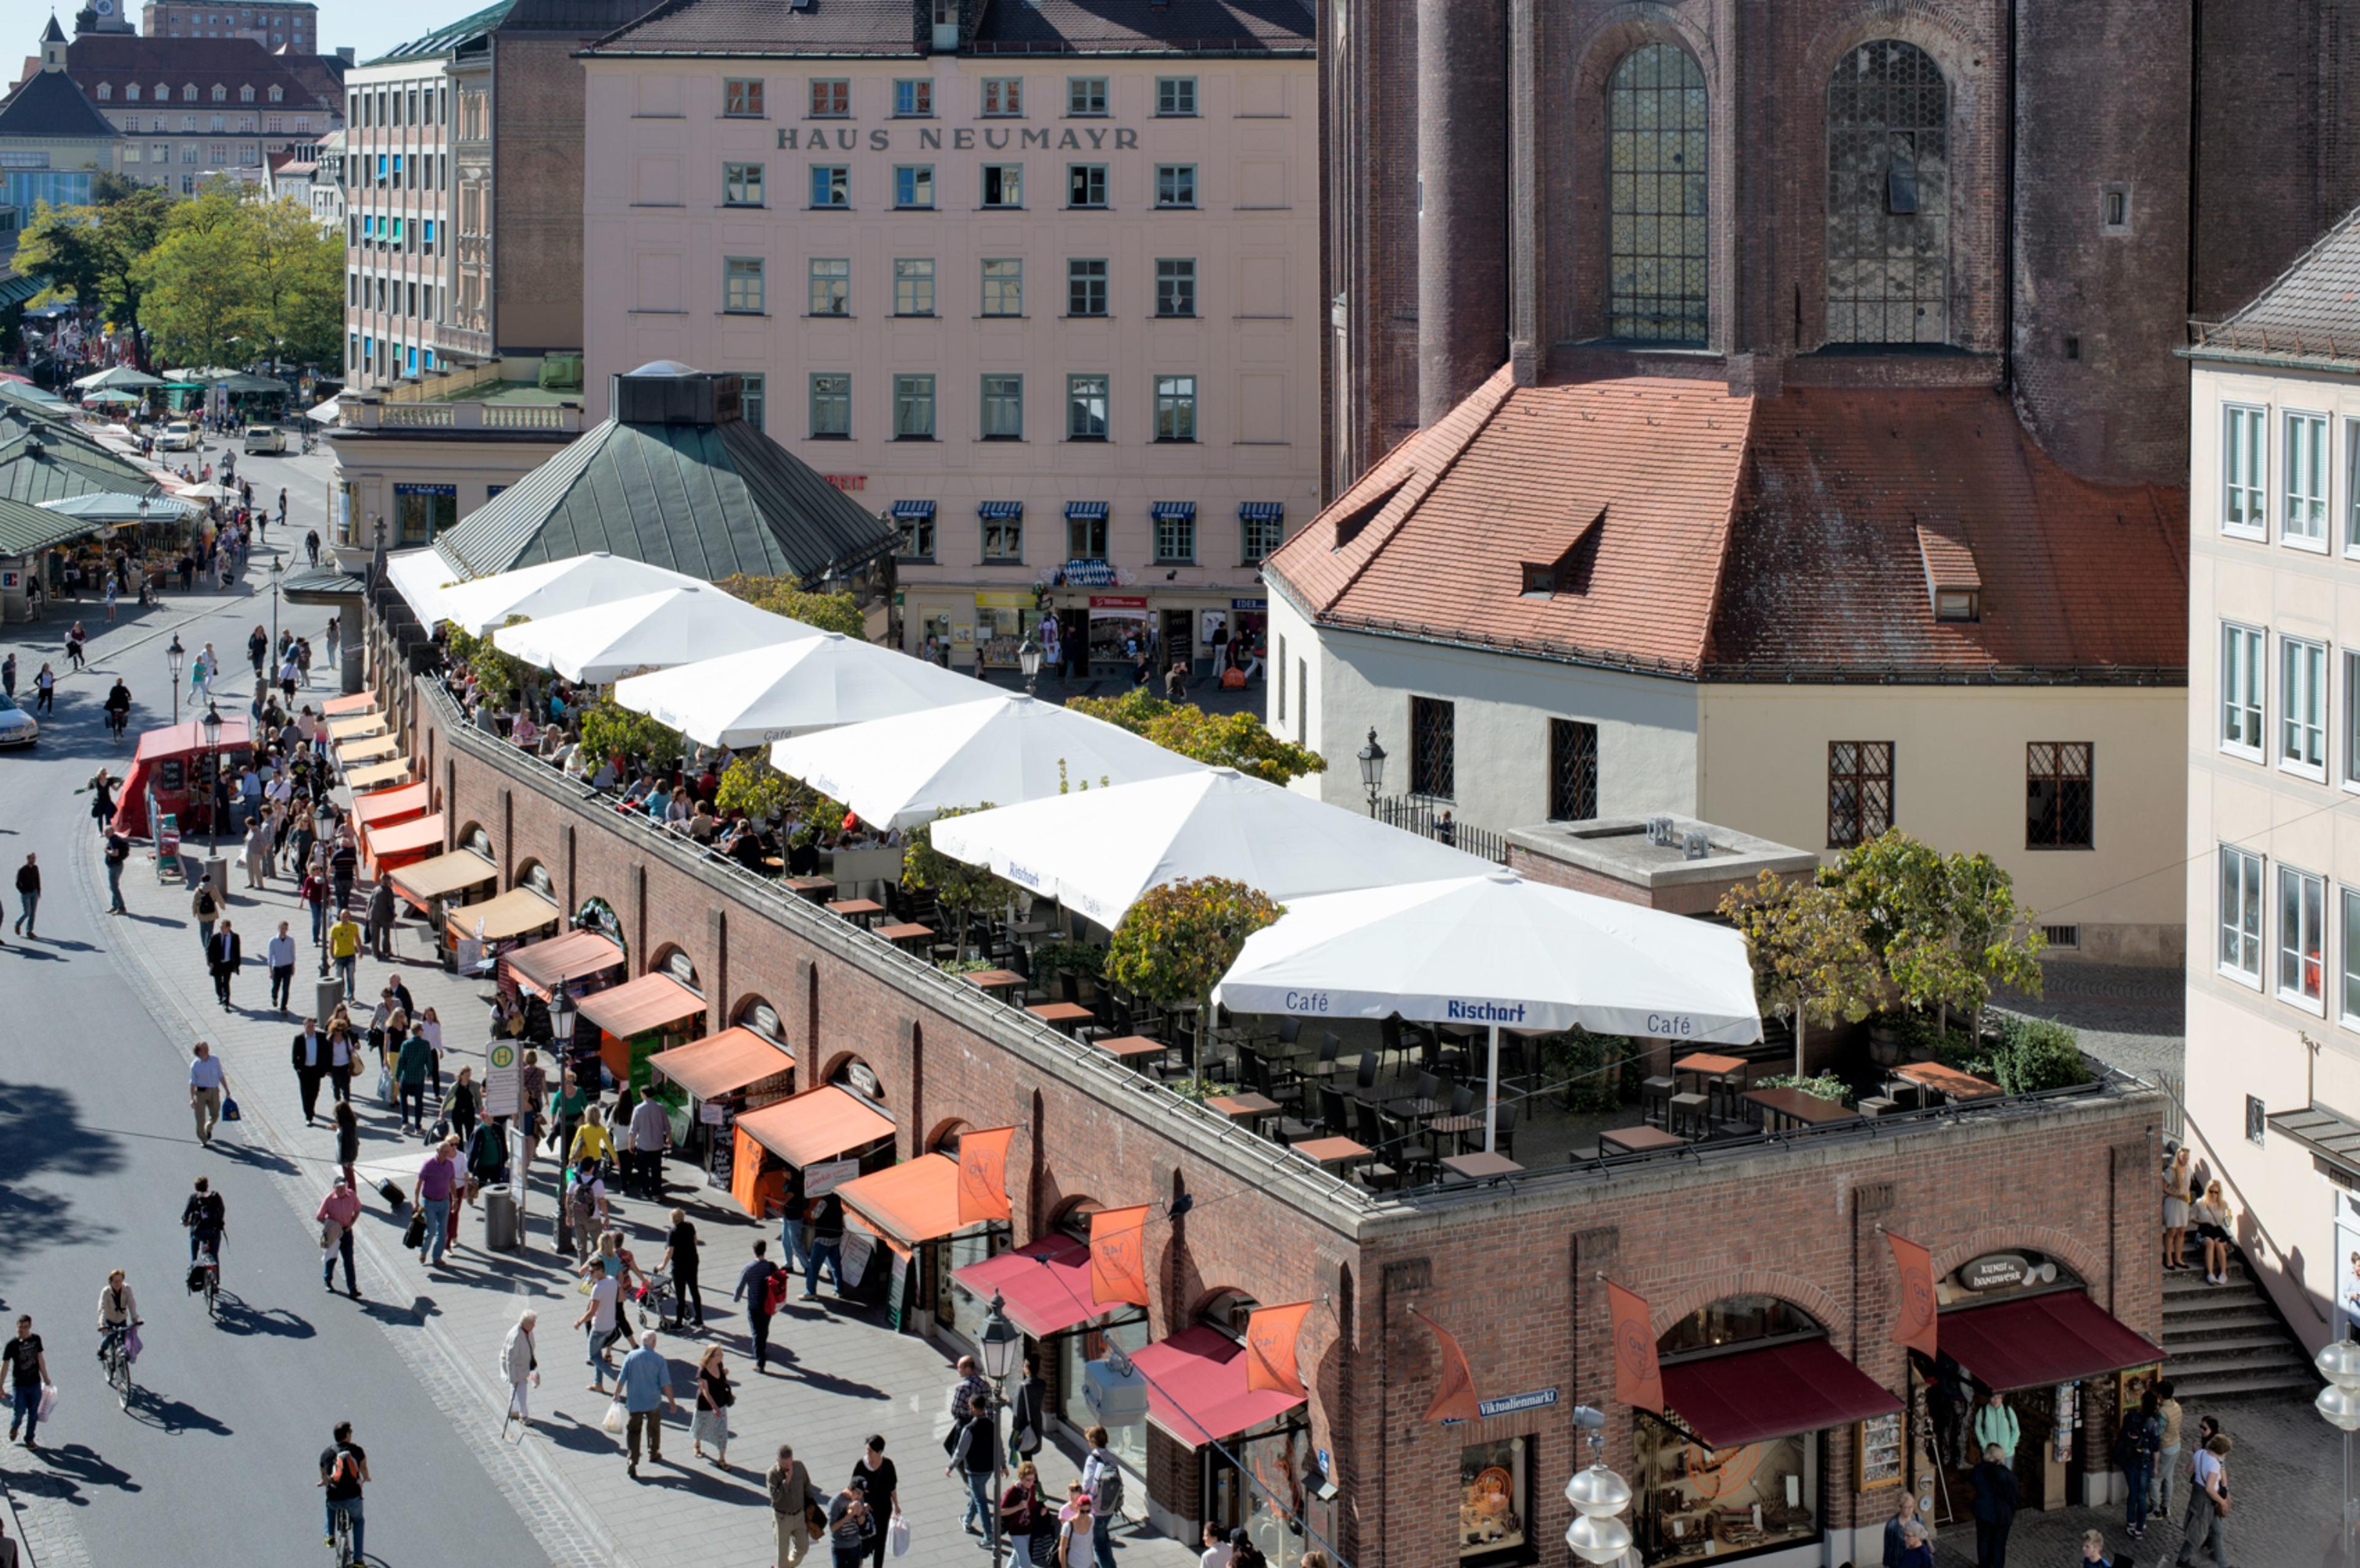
(963, 139)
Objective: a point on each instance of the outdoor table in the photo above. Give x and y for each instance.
(1063, 1016)
(907, 932)
(996, 979)
(1248, 1109)
(1455, 1126)
(1326, 1151)
(1784, 1108)
(774, 862)
(1031, 927)
(1946, 1081)
(1722, 1078)
(816, 889)
(1480, 1164)
(1132, 1049)
(1638, 1140)
(860, 910)
(1415, 1108)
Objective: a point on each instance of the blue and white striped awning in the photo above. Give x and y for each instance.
(916, 510)
(995, 510)
(1262, 511)
(1086, 511)
(1173, 511)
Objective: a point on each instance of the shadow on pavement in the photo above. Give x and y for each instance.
(173, 1416)
(71, 1472)
(240, 1316)
(41, 1131)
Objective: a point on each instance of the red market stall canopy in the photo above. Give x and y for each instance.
(1751, 1395)
(2037, 1342)
(426, 880)
(165, 764)
(385, 847)
(571, 956)
(1196, 1387)
(639, 1006)
(817, 1125)
(916, 1201)
(728, 1062)
(389, 806)
(1043, 1286)
(518, 912)
(345, 707)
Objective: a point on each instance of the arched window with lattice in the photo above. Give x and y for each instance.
(1659, 212)
(1888, 197)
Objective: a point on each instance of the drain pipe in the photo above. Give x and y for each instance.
(2008, 223)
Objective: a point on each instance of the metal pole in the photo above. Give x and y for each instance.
(1000, 1466)
(2347, 1500)
(1491, 1098)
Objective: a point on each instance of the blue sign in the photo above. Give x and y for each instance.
(1249, 603)
(1539, 1398)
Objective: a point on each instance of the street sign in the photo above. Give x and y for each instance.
(503, 1094)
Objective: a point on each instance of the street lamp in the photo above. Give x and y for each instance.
(1001, 1345)
(1598, 1495)
(1373, 769)
(2339, 1363)
(277, 572)
(561, 1036)
(1027, 659)
(174, 656)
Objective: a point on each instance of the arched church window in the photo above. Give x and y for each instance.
(1888, 197)
(1658, 217)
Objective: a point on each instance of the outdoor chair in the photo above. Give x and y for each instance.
(1334, 1116)
(1364, 1082)
(1656, 1100)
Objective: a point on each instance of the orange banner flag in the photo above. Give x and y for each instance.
(1638, 1380)
(1270, 1348)
(1454, 1389)
(1119, 1257)
(1914, 1325)
(983, 1174)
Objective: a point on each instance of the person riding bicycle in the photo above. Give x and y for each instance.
(118, 706)
(205, 1216)
(118, 1312)
(344, 1466)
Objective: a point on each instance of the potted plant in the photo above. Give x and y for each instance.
(1175, 944)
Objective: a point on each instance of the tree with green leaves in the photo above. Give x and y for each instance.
(1219, 740)
(297, 283)
(785, 597)
(958, 887)
(1946, 927)
(1812, 963)
(499, 676)
(1175, 944)
(609, 729)
(200, 281)
(749, 784)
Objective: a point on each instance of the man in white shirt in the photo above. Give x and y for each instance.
(282, 954)
(206, 1080)
(599, 1317)
(650, 1129)
(1217, 1550)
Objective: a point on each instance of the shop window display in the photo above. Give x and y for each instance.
(1697, 1502)
(1495, 1502)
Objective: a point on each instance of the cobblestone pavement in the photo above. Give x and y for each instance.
(2129, 1016)
(843, 1374)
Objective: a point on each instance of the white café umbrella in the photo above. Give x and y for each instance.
(902, 771)
(770, 693)
(421, 577)
(485, 605)
(1497, 950)
(652, 631)
(1096, 851)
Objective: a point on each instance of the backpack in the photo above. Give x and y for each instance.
(1107, 1504)
(341, 1469)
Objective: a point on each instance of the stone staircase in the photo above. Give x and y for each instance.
(2228, 1341)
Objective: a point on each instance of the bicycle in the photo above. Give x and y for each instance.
(115, 1353)
(211, 1282)
(116, 723)
(339, 1542)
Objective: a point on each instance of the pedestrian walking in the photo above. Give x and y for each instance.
(827, 1246)
(879, 1485)
(2207, 1523)
(1994, 1507)
(680, 1261)
(646, 1384)
(851, 1529)
(1896, 1526)
(281, 955)
(339, 1211)
(714, 1397)
(335, 633)
(311, 547)
(520, 1362)
(205, 910)
(118, 853)
(436, 1180)
(343, 862)
(2167, 1453)
(224, 953)
(1027, 1519)
(975, 1459)
(650, 1131)
(1102, 1492)
(347, 1123)
(207, 1082)
(2093, 1551)
(790, 1486)
(1078, 1538)
(8, 675)
(44, 690)
(344, 950)
(380, 921)
(28, 1374)
(29, 898)
(754, 1289)
(409, 1079)
(463, 1104)
(599, 1317)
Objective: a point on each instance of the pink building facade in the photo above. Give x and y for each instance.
(1051, 302)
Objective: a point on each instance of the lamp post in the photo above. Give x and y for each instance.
(1373, 769)
(1598, 1495)
(1027, 659)
(1000, 1343)
(561, 1038)
(2339, 1402)
(213, 728)
(278, 573)
(174, 655)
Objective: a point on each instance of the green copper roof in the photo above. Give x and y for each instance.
(443, 40)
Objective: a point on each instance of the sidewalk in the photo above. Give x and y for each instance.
(844, 1377)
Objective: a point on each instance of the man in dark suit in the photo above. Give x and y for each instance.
(223, 956)
(1995, 1501)
(310, 1055)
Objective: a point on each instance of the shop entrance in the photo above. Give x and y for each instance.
(1257, 1483)
(2041, 1484)
(1178, 643)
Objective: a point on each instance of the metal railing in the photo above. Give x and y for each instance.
(1421, 815)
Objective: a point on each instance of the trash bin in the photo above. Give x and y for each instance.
(500, 1219)
(325, 997)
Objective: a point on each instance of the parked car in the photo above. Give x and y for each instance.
(18, 727)
(178, 436)
(263, 438)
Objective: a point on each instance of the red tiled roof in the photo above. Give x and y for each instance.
(1735, 537)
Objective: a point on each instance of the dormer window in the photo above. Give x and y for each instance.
(276, 94)
(1349, 526)
(130, 92)
(1953, 586)
(1570, 573)
(104, 91)
(245, 93)
(1540, 581)
(187, 92)
(221, 93)
(1958, 605)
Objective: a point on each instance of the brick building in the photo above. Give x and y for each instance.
(2032, 199)
(274, 24)
(1774, 1240)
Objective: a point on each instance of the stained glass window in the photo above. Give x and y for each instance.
(1658, 218)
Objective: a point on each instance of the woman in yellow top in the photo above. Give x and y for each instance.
(591, 1140)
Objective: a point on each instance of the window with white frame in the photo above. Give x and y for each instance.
(2241, 914)
(1175, 96)
(1003, 285)
(831, 185)
(913, 185)
(1086, 286)
(831, 406)
(1086, 96)
(2241, 689)
(1004, 96)
(2304, 518)
(1086, 407)
(1175, 286)
(750, 398)
(741, 98)
(1086, 185)
(1175, 407)
(2302, 707)
(2245, 437)
(2352, 486)
(831, 98)
(2348, 998)
(742, 184)
(2302, 936)
(913, 99)
(1175, 184)
(913, 407)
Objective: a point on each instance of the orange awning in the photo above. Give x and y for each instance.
(519, 911)
(819, 1123)
(724, 1065)
(913, 1202)
(344, 707)
(570, 957)
(394, 805)
(638, 1005)
(386, 847)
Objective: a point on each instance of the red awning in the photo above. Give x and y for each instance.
(1045, 1285)
(383, 848)
(570, 957)
(2034, 1342)
(345, 707)
(398, 804)
(1751, 1395)
(636, 1006)
(1196, 1387)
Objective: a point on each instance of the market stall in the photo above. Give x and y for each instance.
(1044, 1288)
(393, 844)
(803, 1147)
(913, 1209)
(172, 771)
(723, 1076)
(448, 880)
(476, 935)
(384, 807)
(639, 1020)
